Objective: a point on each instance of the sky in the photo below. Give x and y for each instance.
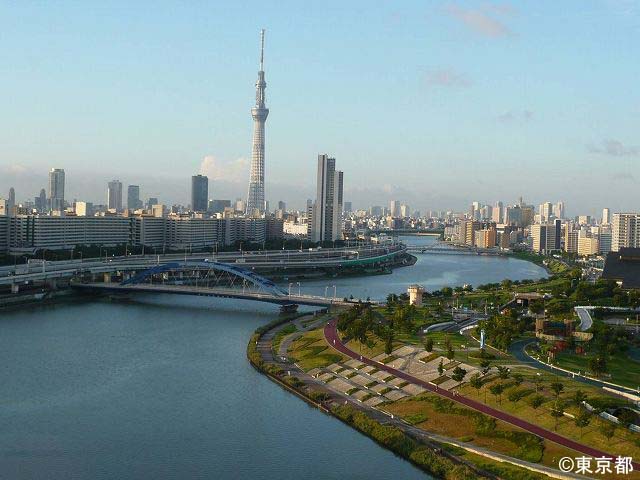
(435, 104)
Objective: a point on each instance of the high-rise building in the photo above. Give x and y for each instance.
(151, 202)
(41, 201)
(394, 208)
(218, 206)
(405, 211)
(282, 206)
(133, 197)
(327, 211)
(625, 230)
(114, 195)
(544, 237)
(56, 189)
(199, 193)
(497, 215)
(12, 199)
(546, 211)
(255, 197)
(606, 216)
(558, 210)
(347, 207)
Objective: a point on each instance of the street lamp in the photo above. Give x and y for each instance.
(290, 288)
(298, 288)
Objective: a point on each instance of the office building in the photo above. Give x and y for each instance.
(587, 245)
(218, 206)
(545, 211)
(56, 189)
(543, 238)
(282, 206)
(394, 208)
(84, 209)
(347, 207)
(327, 211)
(255, 198)
(558, 210)
(606, 216)
(199, 193)
(41, 201)
(133, 197)
(114, 195)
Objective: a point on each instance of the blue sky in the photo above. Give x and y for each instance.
(433, 103)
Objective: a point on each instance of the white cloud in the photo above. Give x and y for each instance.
(482, 22)
(230, 171)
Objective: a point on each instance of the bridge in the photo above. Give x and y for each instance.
(206, 278)
(50, 272)
(448, 248)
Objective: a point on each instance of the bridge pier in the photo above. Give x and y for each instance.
(106, 278)
(15, 288)
(52, 284)
(289, 308)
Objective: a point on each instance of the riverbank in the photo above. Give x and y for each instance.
(415, 445)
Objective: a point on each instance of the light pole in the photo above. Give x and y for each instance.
(290, 288)
(325, 291)
(298, 288)
(334, 292)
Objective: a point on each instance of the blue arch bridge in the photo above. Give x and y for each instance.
(204, 278)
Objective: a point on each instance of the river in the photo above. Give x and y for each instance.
(160, 388)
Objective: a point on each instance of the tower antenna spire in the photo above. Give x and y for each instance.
(262, 49)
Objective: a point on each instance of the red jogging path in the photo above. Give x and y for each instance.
(331, 335)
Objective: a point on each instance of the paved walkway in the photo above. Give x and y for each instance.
(331, 335)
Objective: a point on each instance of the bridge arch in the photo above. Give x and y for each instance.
(253, 278)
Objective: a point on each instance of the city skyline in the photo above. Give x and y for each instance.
(495, 116)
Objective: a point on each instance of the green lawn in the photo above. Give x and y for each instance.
(622, 368)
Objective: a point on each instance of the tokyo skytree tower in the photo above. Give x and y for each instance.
(255, 197)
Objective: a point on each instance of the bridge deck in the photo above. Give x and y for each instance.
(311, 300)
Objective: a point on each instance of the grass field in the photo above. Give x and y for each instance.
(624, 441)
(622, 368)
(312, 351)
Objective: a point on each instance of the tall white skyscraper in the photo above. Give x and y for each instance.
(114, 195)
(56, 189)
(558, 210)
(394, 208)
(327, 211)
(546, 211)
(255, 197)
(606, 216)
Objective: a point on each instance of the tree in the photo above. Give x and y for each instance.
(557, 412)
(388, 345)
(503, 372)
(486, 366)
(450, 354)
(557, 388)
(579, 397)
(440, 368)
(583, 419)
(536, 401)
(538, 381)
(518, 379)
(428, 344)
(496, 390)
(608, 430)
(598, 365)
(458, 374)
(476, 382)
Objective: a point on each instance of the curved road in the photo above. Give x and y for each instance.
(331, 335)
(517, 350)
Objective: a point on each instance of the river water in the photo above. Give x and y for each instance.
(160, 388)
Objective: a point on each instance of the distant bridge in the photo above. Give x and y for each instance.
(212, 279)
(50, 272)
(451, 249)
